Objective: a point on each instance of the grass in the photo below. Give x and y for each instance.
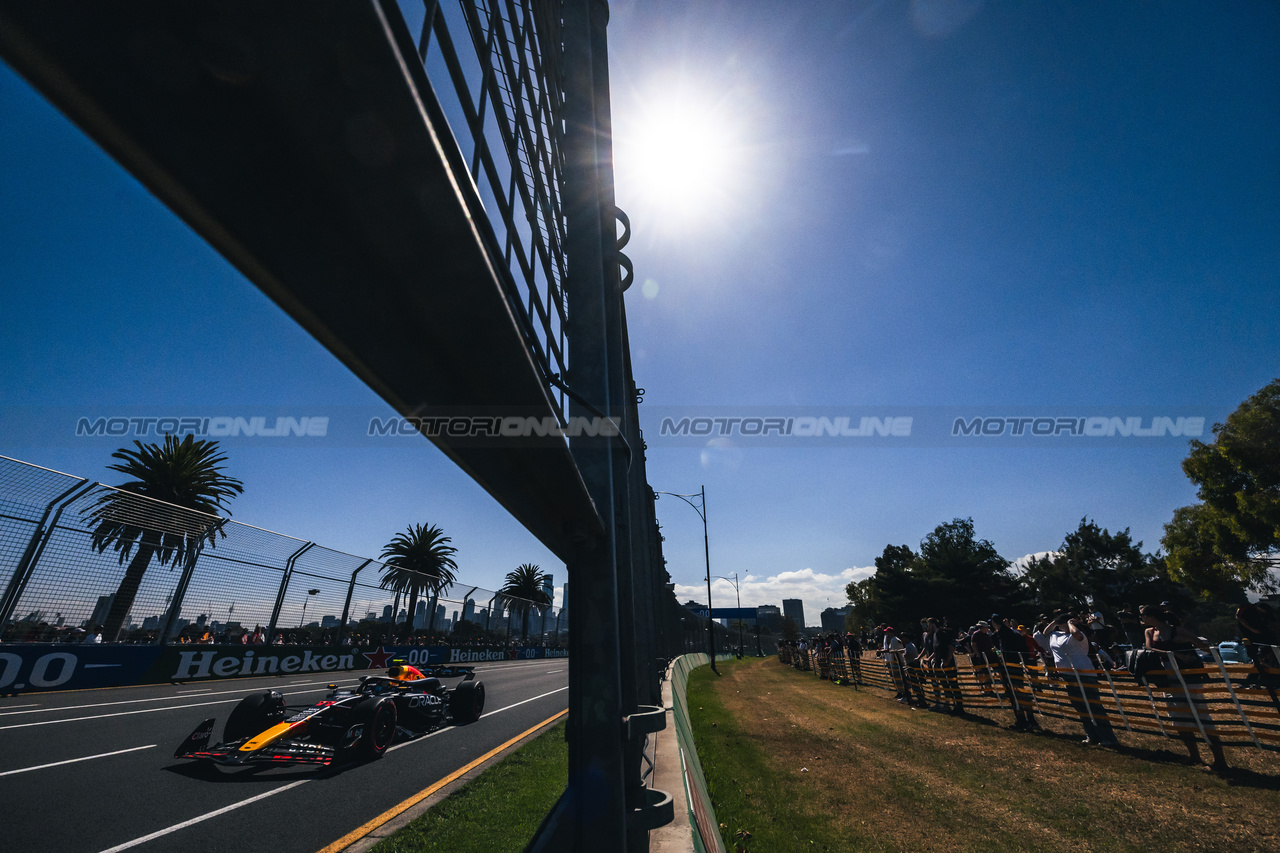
(499, 810)
(802, 764)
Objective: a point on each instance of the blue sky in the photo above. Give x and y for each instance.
(991, 206)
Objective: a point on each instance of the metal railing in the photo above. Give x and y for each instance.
(1230, 703)
(57, 586)
(494, 65)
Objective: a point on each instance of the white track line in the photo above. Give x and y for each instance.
(186, 823)
(524, 701)
(138, 711)
(162, 832)
(160, 698)
(74, 760)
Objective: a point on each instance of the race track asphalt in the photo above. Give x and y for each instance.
(92, 801)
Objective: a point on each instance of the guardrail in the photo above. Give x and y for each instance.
(702, 817)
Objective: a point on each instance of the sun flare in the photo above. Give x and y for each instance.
(679, 158)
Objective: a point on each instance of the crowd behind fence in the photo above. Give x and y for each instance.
(1236, 704)
(241, 583)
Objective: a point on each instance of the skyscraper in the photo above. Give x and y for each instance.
(794, 608)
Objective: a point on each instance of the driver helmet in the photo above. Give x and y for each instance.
(401, 671)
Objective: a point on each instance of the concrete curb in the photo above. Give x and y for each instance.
(668, 775)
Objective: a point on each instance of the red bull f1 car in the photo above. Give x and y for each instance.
(357, 723)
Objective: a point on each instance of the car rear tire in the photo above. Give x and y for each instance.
(254, 715)
(379, 719)
(466, 703)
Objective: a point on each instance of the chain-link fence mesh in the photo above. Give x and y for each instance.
(70, 549)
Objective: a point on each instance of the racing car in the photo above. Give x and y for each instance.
(350, 723)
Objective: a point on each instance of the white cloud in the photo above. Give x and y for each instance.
(1020, 565)
(817, 590)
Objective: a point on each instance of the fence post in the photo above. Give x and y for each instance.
(179, 593)
(284, 586)
(1186, 692)
(346, 607)
(1226, 679)
(35, 547)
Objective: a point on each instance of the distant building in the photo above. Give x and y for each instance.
(420, 614)
(329, 621)
(793, 608)
(769, 617)
(469, 610)
(386, 613)
(833, 619)
(101, 609)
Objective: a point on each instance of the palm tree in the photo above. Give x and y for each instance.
(524, 590)
(416, 561)
(184, 474)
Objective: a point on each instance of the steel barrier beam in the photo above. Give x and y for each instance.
(304, 142)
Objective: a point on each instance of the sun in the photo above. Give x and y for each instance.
(678, 157)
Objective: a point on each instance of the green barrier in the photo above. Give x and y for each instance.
(706, 835)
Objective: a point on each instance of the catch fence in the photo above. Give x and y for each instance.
(212, 579)
(1236, 704)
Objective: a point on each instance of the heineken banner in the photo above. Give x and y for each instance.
(31, 667)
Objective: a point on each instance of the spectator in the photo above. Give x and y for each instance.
(1041, 639)
(1186, 705)
(1013, 654)
(982, 653)
(892, 654)
(94, 637)
(928, 643)
(853, 648)
(940, 656)
(913, 674)
(1258, 631)
(1070, 647)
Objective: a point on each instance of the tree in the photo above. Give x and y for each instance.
(524, 591)
(1106, 571)
(790, 630)
(886, 596)
(184, 474)
(959, 576)
(417, 561)
(1196, 540)
(1234, 535)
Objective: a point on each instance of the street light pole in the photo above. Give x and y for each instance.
(738, 592)
(701, 509)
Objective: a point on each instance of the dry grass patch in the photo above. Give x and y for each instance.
(805, 765)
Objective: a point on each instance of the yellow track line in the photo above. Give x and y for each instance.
(356, 834)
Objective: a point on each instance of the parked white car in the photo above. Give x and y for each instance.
(1233, 652)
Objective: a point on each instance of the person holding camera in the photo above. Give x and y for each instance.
(1187, 706)
(1069, 645)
